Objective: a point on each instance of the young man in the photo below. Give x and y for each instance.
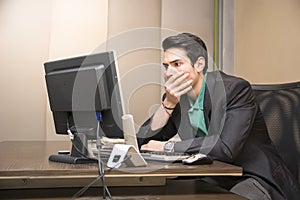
(215, 114)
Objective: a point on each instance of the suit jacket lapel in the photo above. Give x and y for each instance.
(185, 128)
(215, 100)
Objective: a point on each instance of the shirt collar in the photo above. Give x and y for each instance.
(199, 103)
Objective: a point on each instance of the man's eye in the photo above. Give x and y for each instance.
(166, 67)
(176, 64)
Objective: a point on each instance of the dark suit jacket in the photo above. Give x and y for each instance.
(237, 134)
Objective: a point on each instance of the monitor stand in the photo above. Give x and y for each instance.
(79, 152)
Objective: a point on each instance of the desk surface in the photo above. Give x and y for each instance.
(30, 158)
(25, 165)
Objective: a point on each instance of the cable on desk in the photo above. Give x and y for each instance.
(100, 165)
(85, 188)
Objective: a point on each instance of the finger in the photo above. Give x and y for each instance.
(148, 148)
(144, 147)
(182, 86)
(186, 90)
(171, 98)
(178, 81)
(175, 76)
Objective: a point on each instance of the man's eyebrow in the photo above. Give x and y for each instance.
(165, 64)
(173, 61)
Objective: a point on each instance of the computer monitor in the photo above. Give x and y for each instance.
(83, 91)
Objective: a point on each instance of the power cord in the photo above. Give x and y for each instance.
(100, 166)
(85, 188)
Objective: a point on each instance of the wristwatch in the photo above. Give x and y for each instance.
(169, 146)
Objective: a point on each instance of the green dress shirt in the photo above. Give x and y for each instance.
(196, 112)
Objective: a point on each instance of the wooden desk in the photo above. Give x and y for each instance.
(26, 165)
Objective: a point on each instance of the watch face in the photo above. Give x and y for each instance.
(169, 146)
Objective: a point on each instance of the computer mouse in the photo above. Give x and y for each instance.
(198, 159)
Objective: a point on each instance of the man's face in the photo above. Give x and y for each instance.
(175, 61)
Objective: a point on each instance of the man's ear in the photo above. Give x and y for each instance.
(200, 64)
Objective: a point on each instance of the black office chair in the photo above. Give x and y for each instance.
(280, 105)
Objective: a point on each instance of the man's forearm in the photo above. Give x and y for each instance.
(162, 115)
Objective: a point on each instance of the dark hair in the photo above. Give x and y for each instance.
(192, 44)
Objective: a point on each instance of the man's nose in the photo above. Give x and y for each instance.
(170, 71)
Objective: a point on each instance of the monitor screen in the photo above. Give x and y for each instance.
(82, 87)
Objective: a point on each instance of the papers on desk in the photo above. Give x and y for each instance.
(112, 141)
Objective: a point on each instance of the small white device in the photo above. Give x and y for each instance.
(129, 130)
(127, 154)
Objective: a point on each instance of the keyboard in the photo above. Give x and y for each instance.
(163, 156)
(149, 155)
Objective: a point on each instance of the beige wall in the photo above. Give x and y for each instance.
(123, 18)
(267, 41)
(23, 48)
(126, 16)
(77, 28)
(34, 31)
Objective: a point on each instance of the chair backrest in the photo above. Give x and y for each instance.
(280, 106)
